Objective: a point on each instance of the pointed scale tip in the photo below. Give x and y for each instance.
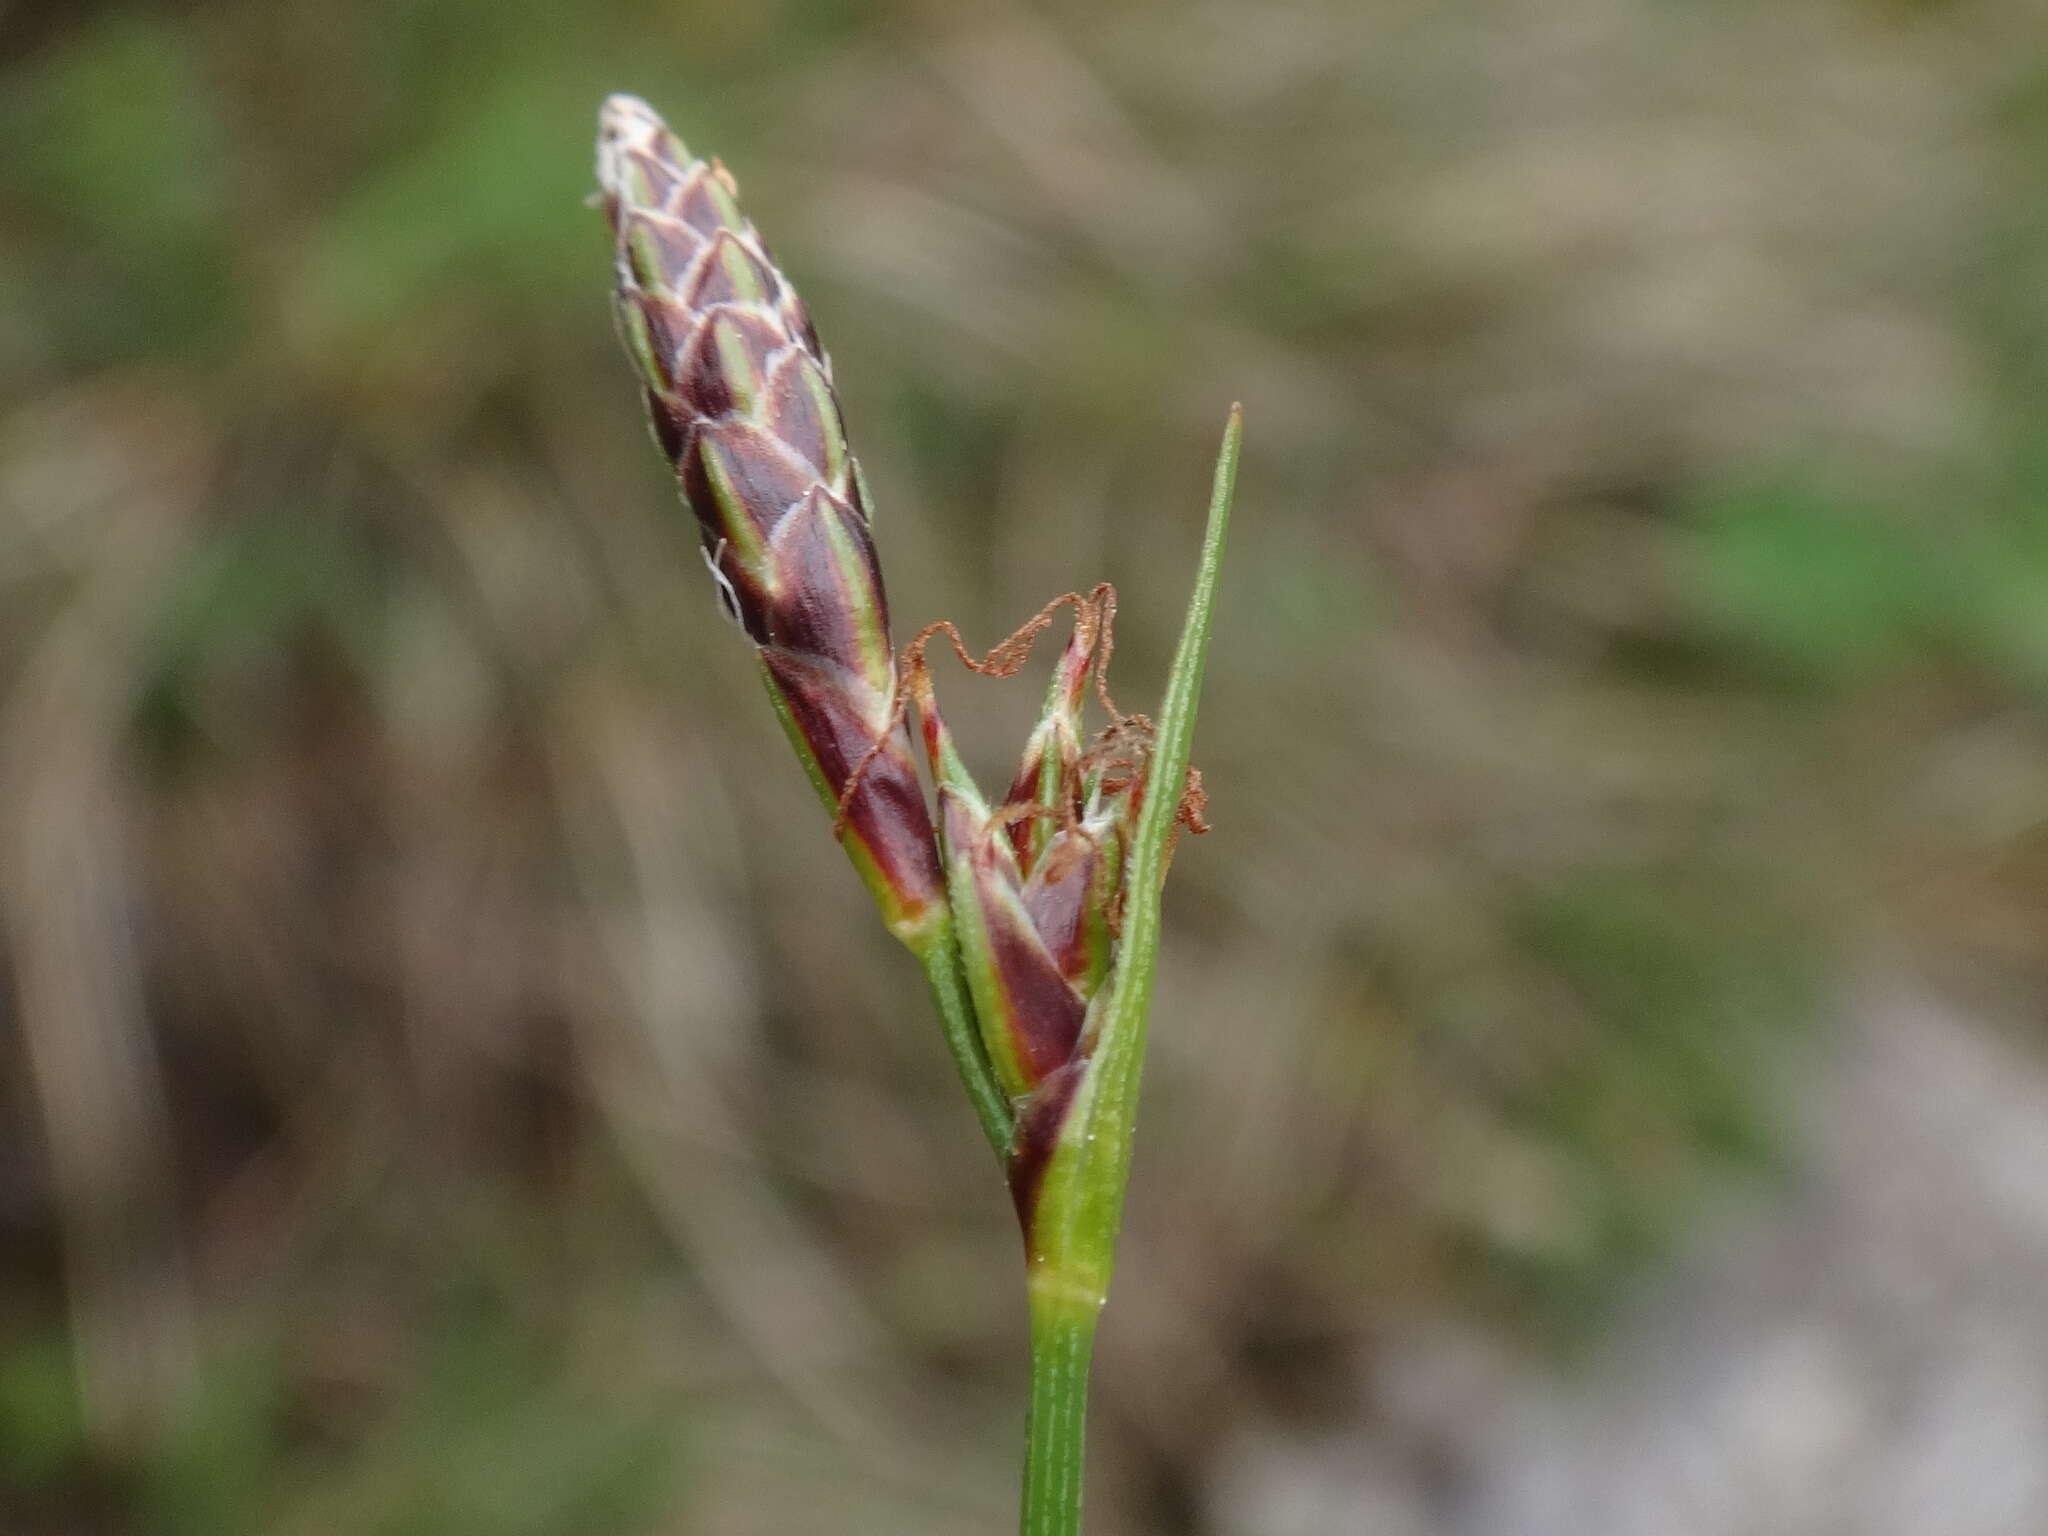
(625, 116)
(626, 123)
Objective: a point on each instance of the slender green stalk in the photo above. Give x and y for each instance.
(939, 954)
(1062, 1339)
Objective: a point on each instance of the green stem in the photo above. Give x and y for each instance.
(940, 956)
(1062, 1338)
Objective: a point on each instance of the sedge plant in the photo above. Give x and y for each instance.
(1036, 915)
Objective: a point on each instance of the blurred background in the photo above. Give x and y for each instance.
(449, 1080)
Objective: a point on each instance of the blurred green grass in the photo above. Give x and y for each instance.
(1637, 618)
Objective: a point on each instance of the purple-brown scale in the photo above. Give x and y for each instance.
(740, 397)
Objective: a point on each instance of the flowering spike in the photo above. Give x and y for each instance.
(1037, 885)
(1071, 1159)
(740, 397)
(1028, 1011)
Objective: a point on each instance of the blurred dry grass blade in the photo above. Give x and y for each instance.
(1091, 160)
(117, 472)
(663, 1045)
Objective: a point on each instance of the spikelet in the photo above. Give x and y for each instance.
(740, 396)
